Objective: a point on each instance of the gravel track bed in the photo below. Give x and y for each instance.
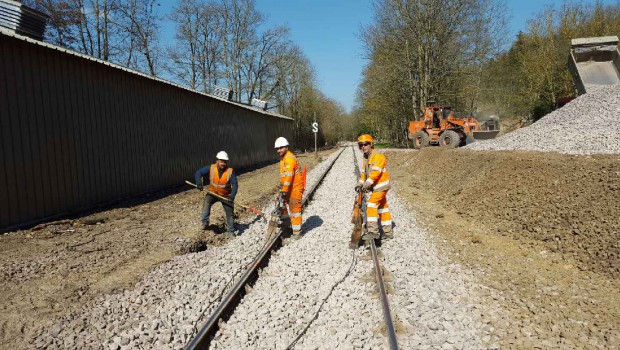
(586, 125)
(162, 309)
(430, 300)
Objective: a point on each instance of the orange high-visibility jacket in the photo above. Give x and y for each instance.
(291, 175)
(376, 169)
(220, 185)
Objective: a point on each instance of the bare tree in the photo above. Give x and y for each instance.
(139, 19)
(260, 72)
(195, 59)
(240, 24)
(185, 55)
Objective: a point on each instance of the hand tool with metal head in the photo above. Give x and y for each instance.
(275, 217)
(244, 206)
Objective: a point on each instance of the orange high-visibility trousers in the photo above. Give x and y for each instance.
(378, 211)
(294, 204)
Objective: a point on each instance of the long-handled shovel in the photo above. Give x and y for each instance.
(253, 210)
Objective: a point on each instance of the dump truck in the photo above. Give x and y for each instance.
(439, 126)
(594, 61)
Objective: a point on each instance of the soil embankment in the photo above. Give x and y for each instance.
(543, 227)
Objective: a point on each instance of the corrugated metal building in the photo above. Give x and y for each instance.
(76, 132)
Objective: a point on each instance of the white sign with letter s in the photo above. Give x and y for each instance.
(315, 127)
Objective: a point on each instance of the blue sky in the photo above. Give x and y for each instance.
(328, 33)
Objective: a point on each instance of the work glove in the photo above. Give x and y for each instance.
(367, 187)
(358, 188)
(199, 187)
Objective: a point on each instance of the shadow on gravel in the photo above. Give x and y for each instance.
(311, 223)
(241, 228)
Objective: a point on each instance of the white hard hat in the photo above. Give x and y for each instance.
(222, 155)
(281, 142)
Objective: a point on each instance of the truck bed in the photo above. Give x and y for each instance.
(592, 64)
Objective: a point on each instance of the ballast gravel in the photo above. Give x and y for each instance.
(587, 125)
(432, 306)
(431, 300)
(163, 308)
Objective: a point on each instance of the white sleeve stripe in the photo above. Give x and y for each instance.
(381, 185)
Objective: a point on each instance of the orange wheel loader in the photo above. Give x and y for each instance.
(440, 127)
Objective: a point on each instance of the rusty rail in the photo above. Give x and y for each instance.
(387, 314)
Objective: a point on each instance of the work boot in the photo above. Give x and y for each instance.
(387, 232)
(231, 234)
(296, 234)
(205, 226)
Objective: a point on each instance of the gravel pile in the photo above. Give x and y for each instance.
(430, 301)
(161, 311)
(587, 125)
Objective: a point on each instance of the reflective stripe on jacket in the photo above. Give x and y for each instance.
(376, 168)
(291, 176)
(220, 185)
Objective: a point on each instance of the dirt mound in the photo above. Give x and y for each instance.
(571, 203)
(540, 230)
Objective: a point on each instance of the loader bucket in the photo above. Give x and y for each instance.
(485, 135)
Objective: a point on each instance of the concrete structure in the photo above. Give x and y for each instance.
(76, 132)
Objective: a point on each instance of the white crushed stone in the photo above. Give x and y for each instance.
(430, 299)
(587, 125)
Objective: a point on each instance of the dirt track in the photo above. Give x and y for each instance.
(542, 228)
(53, 269)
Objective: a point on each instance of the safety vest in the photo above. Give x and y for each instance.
(292, 178)
(376, 168)
(220, 185)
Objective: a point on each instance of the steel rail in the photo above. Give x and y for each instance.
(387, 315)
(208, 330)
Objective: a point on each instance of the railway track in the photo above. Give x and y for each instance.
(314, 293)
(228, 303)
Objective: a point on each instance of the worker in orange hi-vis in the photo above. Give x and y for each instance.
(374, 178)
(292, 186)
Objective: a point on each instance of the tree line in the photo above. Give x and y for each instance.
(421, 51)
(225, 43)
(455, 52)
